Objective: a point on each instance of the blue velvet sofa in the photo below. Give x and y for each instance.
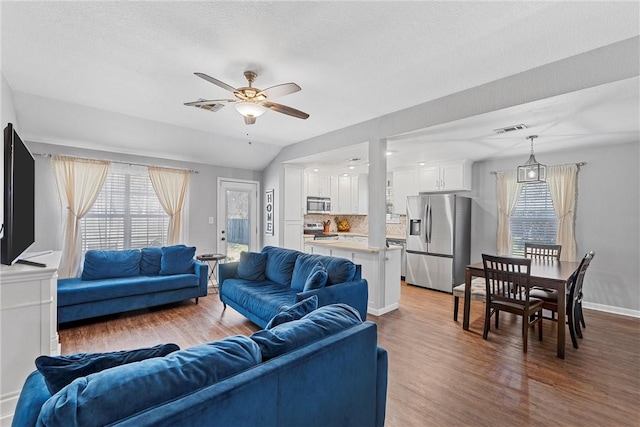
(118, 281)
(259, 286)
(324, 369)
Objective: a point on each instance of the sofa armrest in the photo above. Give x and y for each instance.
(354, 293)
(202, 273)
(226, 271)
(381, 385)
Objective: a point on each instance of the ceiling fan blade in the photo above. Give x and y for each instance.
(286, 110)
(203, 102)
(280, 90)
(216, 82)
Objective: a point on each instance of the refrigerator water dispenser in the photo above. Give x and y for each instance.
(414, 227)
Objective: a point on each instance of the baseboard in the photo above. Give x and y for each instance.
(611, 309)
(383, 310)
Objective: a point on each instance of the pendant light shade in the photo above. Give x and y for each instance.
(532, 171)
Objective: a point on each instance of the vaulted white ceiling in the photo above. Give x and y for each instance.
(114, 75)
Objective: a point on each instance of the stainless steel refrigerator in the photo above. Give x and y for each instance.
(438, 240)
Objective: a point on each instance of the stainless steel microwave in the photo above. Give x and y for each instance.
(321, 205)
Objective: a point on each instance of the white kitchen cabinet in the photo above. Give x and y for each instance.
(455, 176)
(349, 195)
(318, 184)
(405, 183)
(294, 204)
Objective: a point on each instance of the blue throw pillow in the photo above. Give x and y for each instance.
(177, 259)
(100, 264)
(252, 265)
(59, 371)
(295, 312)
(114, 394)
(150, 261)
(325, 321)
(317, 278)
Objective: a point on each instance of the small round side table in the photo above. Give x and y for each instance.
(212, 261)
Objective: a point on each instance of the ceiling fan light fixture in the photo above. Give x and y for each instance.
(250, 109)
(532, 171)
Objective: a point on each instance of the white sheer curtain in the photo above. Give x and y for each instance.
(507, 192)
(79, 182)
(562, 182)
(171, 186)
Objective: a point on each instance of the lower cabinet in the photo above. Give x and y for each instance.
(28, 325)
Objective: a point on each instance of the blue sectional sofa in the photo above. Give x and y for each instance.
(118, 281)
(261, 283)
(324, 369)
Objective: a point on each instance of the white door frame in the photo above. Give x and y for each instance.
(254, 219)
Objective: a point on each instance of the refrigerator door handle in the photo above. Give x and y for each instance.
(429, 230)
(427, 222)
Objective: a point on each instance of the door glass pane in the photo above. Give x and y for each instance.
(238, 223)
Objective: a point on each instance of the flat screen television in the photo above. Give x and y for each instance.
(19, 198)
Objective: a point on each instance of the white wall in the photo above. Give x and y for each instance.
(607, 219)
(7, 115)
(202, 194)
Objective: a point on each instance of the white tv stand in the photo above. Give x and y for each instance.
(28, 324)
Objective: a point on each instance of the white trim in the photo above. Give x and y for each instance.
(611, 309)
(383, 310)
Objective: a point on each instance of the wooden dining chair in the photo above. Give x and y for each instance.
(508, 283)
(539, 251)
(478, 293)
(575, 317)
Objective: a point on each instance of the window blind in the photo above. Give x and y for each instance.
(127, 214)
(534, 219)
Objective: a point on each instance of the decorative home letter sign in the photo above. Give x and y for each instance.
(268, 207)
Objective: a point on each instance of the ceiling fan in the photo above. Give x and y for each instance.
(251, 102)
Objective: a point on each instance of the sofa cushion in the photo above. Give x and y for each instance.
(264, 299)
(316, 325)
(317, 278)
(114, 394)
(76, 291)
(280, 263)
(252, 265)
(295, 312)
(177, 259)
(58, 371)
(150, 261)
(339, 270)
(100, 264)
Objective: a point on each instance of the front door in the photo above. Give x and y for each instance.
(237, 217)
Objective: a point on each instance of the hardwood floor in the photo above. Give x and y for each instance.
(438, 374)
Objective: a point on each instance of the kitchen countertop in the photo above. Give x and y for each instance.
(348, 245)
(349, 233)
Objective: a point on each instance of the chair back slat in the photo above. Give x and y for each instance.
(576, 280)
(507, 279)
(539, 251)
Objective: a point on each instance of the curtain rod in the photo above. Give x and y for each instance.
(47, 155)
(577, 164)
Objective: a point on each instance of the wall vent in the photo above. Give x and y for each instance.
(510, 128)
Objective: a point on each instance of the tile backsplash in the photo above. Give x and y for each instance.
(359, 223)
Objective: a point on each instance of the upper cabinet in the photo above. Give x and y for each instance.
(405, 183)
(349, 194)
(455, 176)
(318, 184)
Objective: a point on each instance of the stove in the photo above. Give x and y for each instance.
(317, 230)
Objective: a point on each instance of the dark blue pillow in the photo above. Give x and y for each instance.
(295, 312)
(114, 394)
(177, 259)
(325, 321)
(100, 264)
(150, 261)
(59, 371)
(317, 278)
(252, 265)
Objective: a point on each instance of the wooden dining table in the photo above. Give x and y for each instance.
(544, 273)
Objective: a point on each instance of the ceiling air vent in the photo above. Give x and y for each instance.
(510, 128)
(211, 107)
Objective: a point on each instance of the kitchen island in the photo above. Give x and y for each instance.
(380, 266)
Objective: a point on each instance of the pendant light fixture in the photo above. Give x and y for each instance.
(532, 171)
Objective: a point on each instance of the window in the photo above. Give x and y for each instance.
(533, 219)
(127, 214)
